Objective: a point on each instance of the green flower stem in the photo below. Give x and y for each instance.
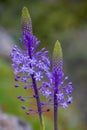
(42, 125)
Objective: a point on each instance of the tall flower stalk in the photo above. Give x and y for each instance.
(57, 75)
(62, 90)
(29, 65)
(58, 90)
(29, 41)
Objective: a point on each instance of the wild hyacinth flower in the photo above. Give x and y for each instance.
(58, 90)
(62, 89)
(29, 66)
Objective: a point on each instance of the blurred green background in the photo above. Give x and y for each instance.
(65, 20)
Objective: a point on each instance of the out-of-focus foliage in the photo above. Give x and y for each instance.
(65, 20)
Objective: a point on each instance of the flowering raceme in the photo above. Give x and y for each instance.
(29, 65)
(57, 84)
(57, 90)
(28, 61)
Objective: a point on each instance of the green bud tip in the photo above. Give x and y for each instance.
(26, 20)
(57, 53)
(57, 57)
(25, 14)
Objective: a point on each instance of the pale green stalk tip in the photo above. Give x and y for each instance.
(25, 13)
(57, 52)
(26, 16)
(26, 20)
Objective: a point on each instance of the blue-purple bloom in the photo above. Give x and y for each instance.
(29, 62)
(58, 83)
(29, 65)
(57, 90)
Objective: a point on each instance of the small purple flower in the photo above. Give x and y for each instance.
(16, 85)
(27, 113)
(38, 76)
(19, 97)
(25, 87)
(24, 79)
(23, 107)
(30, 109)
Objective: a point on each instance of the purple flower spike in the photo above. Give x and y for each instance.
(57, 89)
(29, 65)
